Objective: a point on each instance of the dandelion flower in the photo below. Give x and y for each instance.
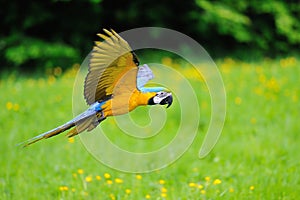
(51, 79)
(203, 192)
(207, 178)
(63, 188)
(162, 182)
(9, 105)
(16, 107)
(251, 187)
(217, 182)
(231, 190)
(147, 196)
(253, 120)
(71, 140)
(88, 179)
(163, 195)
(167, 61)
(118, 180)
(138, 177)
(98, 177)
(192, 184)
(127, 191)
(238, 100)
(163, 190)
(109, 182)
(80, 171)
(200, 186)
(112, 196)
(107, 175)
(85, 193)
(57, 71)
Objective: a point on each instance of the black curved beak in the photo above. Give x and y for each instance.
(168, 100)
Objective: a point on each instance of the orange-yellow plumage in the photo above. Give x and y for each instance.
(123, 103)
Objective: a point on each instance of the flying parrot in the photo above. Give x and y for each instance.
(113, 86)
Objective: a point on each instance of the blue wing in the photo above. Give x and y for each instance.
(144, 75)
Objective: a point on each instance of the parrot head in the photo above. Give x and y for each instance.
(161, 98)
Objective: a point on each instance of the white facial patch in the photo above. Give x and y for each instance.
(160, 96)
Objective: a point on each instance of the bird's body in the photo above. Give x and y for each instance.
(113, 86)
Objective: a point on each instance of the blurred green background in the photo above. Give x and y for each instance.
(43, 34)
(255, 45)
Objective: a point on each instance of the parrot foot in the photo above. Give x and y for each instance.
(100, 116)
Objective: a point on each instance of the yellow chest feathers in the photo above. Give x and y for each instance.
(124, 103)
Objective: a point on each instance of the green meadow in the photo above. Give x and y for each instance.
(256, 157)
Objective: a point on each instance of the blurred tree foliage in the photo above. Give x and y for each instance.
(45, 34)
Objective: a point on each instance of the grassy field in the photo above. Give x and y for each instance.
(257, 156)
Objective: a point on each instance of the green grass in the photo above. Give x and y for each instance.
(257, 156)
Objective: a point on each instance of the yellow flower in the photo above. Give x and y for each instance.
(16, 107)
(63, 188)
(231, 190)
(118, 180)
(147, 196)
(127, 191)
(253, 120)
(203, 192)
(80, 171)
(88, 179)
(273, 85)
(163, 190)
(200, 186)
(238, 100)
(109, 182)
(162, 182)
(217, 182)
(98, 177)
(74, 175)
(288, 62)
(192, 185)
(51, 79)
(207, 178)
(262, 78)
(294, 98)
(163, 195)
(57, 71)
(251, 187)
(138, 177)
(71, 140)
(9, 105)
(85, 193)
(112, 196)
(107, 175)
(167, 61)
(258, 91)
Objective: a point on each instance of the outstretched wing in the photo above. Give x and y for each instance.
(143, 76)
(110, 61)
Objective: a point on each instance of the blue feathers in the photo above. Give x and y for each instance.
(152, 89)
(97, 106)
(144, 75)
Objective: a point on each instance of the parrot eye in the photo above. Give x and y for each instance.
(160, 94)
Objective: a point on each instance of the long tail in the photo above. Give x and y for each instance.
(88, 120)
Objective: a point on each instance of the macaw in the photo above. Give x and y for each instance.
(113, 86)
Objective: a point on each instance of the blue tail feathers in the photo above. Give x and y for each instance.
(95, 110)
